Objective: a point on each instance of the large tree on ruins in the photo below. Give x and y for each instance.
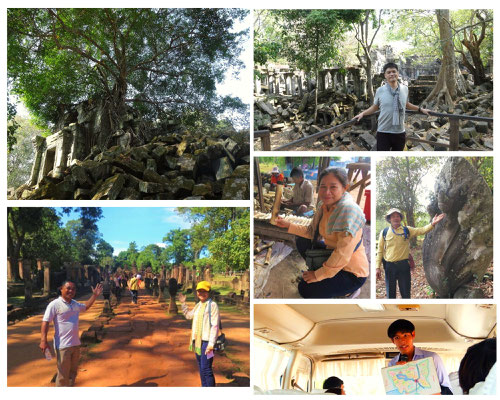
(446, 89)
(472, 29)
(161, 61)
(311, 38)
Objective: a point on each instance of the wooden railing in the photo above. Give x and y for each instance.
(454, 132)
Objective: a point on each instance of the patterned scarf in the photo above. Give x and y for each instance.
(198, 328)
(396, 106)
(347, 216)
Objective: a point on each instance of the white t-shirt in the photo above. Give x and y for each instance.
(65, 317)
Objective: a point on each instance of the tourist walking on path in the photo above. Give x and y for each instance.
(392, 100)
(394, 252)
(204, 331)
(134, 287)
(65, 313)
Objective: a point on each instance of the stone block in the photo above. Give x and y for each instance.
(236, 189)
(222, 168)
(481, 127)
(110, 188)
(151, 187)
(369, 141)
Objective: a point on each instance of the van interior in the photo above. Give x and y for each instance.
(297, 346)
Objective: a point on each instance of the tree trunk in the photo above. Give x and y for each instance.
(445, 90)
(477, 69)
(316, 67)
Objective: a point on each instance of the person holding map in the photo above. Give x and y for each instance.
(402, 334)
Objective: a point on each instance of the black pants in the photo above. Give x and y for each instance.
(391, 141)
(397, 272)
(341, 284)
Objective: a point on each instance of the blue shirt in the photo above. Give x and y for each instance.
(438, 363)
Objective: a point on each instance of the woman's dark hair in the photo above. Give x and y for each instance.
(338, 173)
(332, 383)
(477, 363)
(400, 325)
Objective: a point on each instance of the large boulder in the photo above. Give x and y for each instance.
(460, 248)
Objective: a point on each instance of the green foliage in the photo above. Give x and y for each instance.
(104, 253)
(12, 124)
(399, 184)
(36, 232)
(224, 232)
(230, 251)
(20, 157)
(310, 38)
(484, 166)
(150, 256)
(161, 60)
(178, 246)
(420, 30)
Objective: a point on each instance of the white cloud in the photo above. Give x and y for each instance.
(162, 245)
(117, 251)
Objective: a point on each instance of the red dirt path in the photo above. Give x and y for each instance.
(142, 346)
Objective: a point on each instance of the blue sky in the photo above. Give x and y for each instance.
(145, 225)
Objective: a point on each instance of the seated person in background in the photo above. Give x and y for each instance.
(477, 372)
(276, 176)
(303, 192)
(334, 385)
(402, 333)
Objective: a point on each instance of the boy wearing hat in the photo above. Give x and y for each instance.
(393, 252)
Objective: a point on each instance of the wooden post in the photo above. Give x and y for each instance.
(266, 141)
(454, 133)
(277, 203)
(258, 177)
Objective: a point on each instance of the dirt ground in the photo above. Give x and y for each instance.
(142, 346)
(284, 277)
(420, 288)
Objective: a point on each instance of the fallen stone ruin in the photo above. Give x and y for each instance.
(460, 248)
(290, 117)
(86, 159)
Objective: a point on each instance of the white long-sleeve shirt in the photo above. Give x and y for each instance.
(209, 333)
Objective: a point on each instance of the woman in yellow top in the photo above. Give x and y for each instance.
(339, 222)
(204, 331)
(394, 249)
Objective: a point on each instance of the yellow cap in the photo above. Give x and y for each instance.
(203, 285)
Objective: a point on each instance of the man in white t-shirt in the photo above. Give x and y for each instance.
(65, 312)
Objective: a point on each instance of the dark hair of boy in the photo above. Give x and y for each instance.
(400, 325)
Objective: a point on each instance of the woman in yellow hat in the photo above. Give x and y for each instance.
(204, 331)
